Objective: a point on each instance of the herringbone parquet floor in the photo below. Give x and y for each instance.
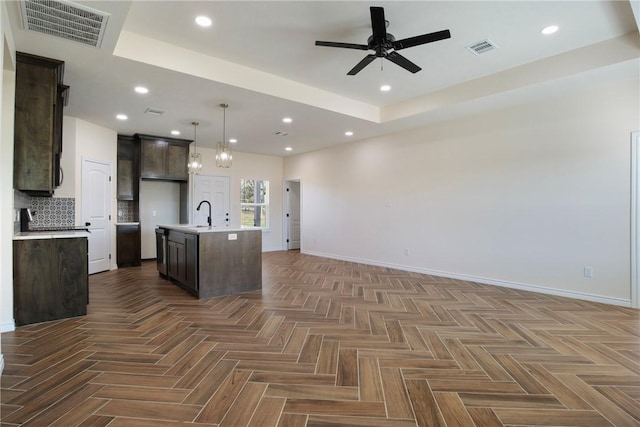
(326, 343)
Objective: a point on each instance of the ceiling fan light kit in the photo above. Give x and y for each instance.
(385, 45)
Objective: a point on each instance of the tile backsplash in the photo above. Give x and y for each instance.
(53, 211)
(128, 211)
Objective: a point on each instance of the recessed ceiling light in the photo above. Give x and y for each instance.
(385, 88)
(233, 140)
(141, 89)
(203, 21)
(288, 148)
(121, 117)
(175, 132)
(348, 133)
(287, 120)
(549, 30)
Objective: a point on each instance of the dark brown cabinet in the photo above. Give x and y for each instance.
(128, 168)
(182, 259)
(163, 158)
(50, 279)
(39, 101)
(128, 245)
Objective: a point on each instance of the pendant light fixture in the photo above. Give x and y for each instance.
(223, 152)
(195, 158)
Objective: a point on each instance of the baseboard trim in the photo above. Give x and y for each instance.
(484, 280)
(8, 326)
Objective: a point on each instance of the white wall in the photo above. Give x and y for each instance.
(252, 166)
(7, 91)
(82, 139)
(159, 204)
(522, 197)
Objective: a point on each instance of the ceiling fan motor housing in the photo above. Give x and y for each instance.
(385, 45)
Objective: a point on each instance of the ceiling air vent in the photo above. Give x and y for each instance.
(483, 46)
(61, 18)
(154, 111)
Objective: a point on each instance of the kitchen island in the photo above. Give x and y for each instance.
(210, 261)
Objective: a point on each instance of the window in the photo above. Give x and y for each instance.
(254, 203)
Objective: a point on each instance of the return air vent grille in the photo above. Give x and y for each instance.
(483, 46)
(66, 20)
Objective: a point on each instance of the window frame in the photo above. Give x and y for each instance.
(264, 205)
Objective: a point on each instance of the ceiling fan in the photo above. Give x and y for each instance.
(385, 44)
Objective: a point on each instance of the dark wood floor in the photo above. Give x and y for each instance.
(326, 343)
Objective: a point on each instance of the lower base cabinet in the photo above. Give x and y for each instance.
(128, 245)
(50, 279)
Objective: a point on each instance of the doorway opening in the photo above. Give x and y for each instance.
(216, 190)
(292, 217)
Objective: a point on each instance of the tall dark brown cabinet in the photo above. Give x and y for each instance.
(128, 239)
(39, 101)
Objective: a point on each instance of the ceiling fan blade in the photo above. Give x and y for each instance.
(360, 65)
(343, 45)
(396, 58)
(378, 25)
(418, 40)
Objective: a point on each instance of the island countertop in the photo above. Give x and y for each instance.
(200, 229)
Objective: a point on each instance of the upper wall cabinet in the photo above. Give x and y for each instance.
(128, 168)
(39, 100)
(163, 158)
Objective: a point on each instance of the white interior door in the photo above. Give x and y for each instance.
(96, 212)
(215, 190)
(293, 215)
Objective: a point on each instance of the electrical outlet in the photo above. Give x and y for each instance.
(406, 251)
(588, 271)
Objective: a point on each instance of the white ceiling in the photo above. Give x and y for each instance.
(260, 58)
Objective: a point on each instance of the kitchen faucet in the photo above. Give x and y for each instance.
(209, 217)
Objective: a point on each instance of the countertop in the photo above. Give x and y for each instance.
(127, 223)
(200, 229)
(28, 235)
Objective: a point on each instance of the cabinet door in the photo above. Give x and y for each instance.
(125, 179)
(153, 158)
(128, 245)
(72, 257)
(177, 158)
(128, 164)
(35, 98)
(34, 290)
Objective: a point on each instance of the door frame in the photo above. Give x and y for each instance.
(192, 194)
(84, 159)
(285, 210)
(635, 219)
